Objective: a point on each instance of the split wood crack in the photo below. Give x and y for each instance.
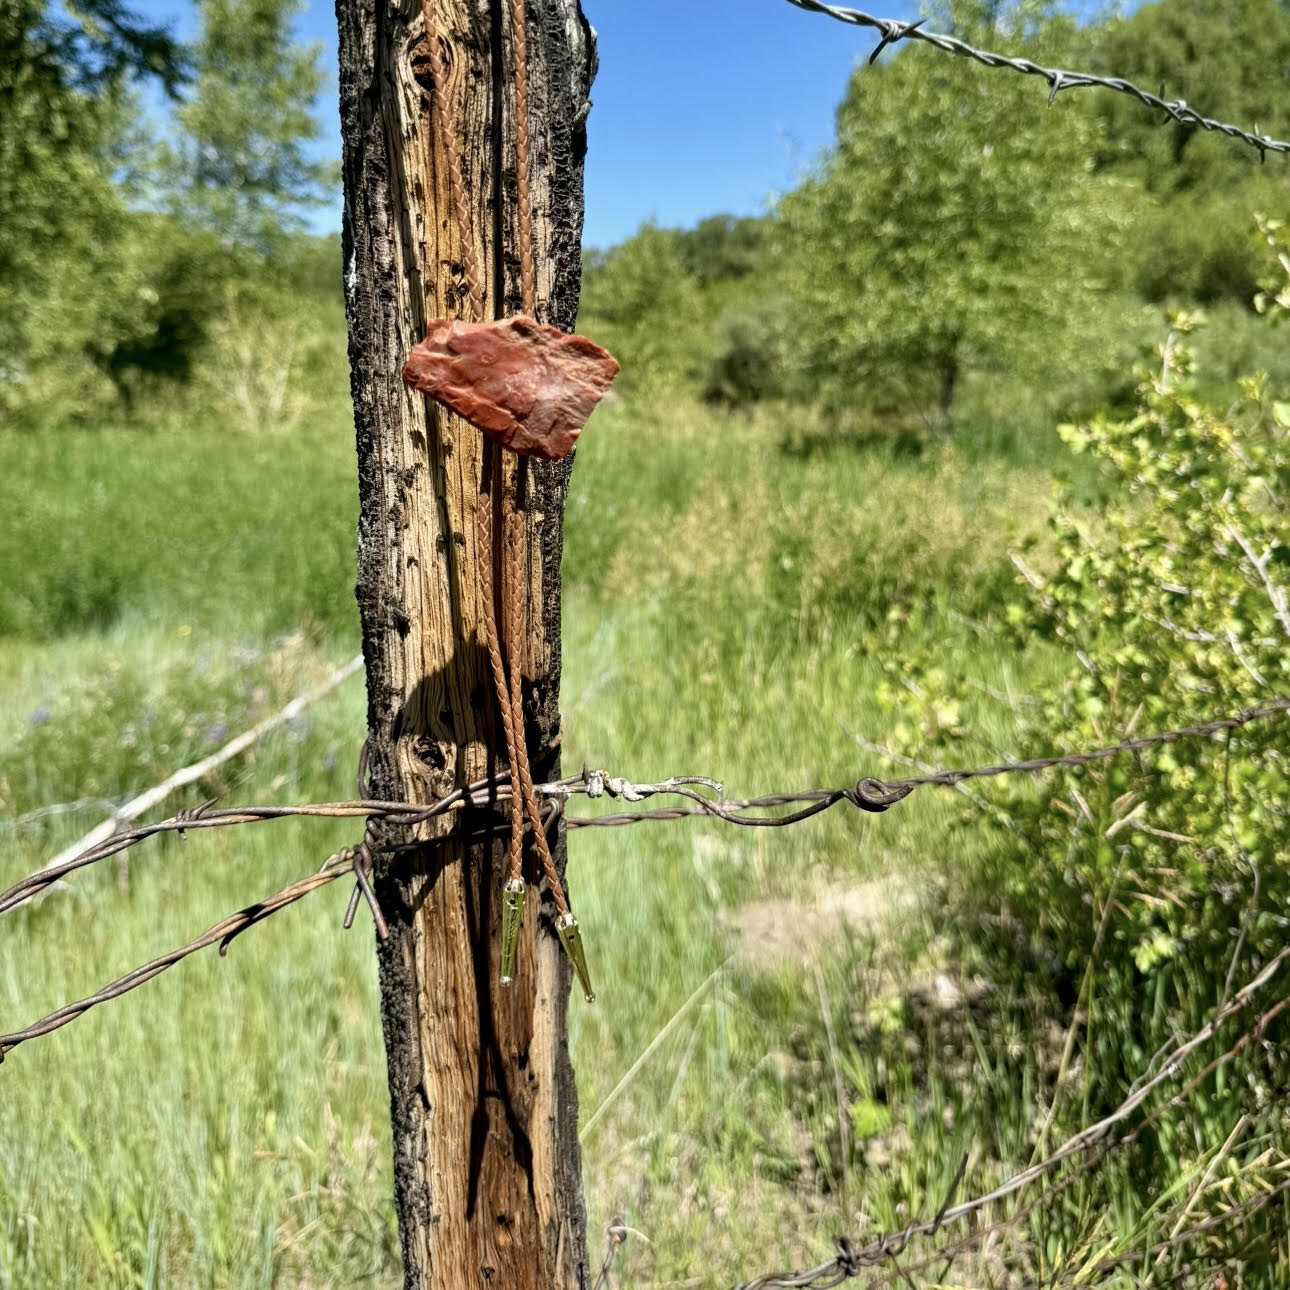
(529, 388)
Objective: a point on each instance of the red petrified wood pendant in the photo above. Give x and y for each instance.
(529, 387)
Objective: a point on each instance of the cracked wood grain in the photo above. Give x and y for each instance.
(487, 1169)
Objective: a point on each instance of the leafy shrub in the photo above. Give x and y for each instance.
(1149, 889)
(641, 301)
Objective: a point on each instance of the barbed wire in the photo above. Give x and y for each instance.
(892, 30)
(1094, 1157)
(1075, 1274)
(877, 795)
(1084, 1150)
(1214, 1223)
(222, 933)
(868, 793)
(871, 794)
(852, 1258)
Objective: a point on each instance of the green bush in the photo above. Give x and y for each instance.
(641, 301)
(1147, 889)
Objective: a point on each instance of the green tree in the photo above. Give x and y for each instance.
(65, 75)
(722, 248)
(956, 225)
(641, 300)
(1228, 60)
(241, 166)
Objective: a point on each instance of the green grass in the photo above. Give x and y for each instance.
(742, 594)
(236, 535)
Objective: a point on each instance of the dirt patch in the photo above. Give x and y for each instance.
(771, 932)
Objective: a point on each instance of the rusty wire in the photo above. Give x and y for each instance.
(868, 794)
(853, 1258)
(476, 795)
(876, 795)
(222, 934)
(1083, 1151)
(523, 205)
(512, 598)
(502, 647)
(1075, 1274)
(892, 30)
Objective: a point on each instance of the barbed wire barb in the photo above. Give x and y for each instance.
(1180, 111)
(852, 1257)
(869, 794)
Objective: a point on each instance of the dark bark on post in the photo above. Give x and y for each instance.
(486, 1160)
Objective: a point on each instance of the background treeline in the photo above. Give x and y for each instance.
(151, 203)
(153, 262)
(957, 230)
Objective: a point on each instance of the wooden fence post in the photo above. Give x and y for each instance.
(486, 1161)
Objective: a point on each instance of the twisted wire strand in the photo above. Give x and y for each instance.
(1058, 79)
(523, 205)
(513, 605)
(528, 793)
(869, 794)
(513, 701)
(222, 933)
(495, 646)
(484, 562)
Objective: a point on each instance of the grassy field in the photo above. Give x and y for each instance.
(780, 1050)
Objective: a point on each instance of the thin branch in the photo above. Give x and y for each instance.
(1277, 595)
(151, 797)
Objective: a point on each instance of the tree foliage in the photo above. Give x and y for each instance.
(1230, 60)
(949, 228)
(64, 101)
(241, 166)
(100, 299)
(644, 304)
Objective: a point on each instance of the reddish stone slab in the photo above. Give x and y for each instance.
(528, 386)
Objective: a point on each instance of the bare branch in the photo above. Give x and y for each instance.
(151, 797)
(1276, 594)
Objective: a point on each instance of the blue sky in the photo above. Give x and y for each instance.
(700, 106)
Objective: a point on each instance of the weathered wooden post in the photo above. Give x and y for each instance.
(486, 1160)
